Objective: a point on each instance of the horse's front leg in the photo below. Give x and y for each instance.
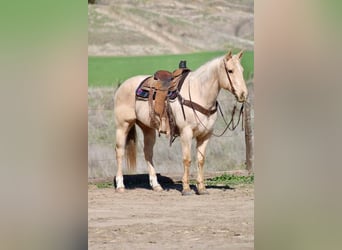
(186, 138)
(201, 146)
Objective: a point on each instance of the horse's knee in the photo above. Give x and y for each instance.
(201, 161)
(186, 162)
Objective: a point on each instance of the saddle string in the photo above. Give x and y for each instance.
(153, 120)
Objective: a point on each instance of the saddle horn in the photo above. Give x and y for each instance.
(182, 64)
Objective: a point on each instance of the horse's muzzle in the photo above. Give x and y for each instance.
(242, 97)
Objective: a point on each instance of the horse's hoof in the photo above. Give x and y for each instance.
(158, 188)
(202, 191)
(120, 190)
(186, 192)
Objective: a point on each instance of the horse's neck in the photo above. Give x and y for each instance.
(204, 85)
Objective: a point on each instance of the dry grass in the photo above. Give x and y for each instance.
(168, 27)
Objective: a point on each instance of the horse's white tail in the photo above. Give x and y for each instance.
(131, 149)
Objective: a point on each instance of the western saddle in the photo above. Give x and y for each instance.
(161, 89)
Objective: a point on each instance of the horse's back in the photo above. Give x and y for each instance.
(124, 98)
(127, 89)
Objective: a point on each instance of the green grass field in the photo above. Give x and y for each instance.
(110, 71)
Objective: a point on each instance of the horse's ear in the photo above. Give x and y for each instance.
(228, 55)
(241, 53)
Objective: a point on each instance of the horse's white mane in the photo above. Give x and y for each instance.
(205, 72)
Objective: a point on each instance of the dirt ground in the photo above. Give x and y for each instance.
(143, 219)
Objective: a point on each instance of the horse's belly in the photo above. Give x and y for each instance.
(142, 111)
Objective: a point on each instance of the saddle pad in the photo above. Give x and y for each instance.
(142, 92)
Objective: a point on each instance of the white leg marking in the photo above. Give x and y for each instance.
(119, 182)
(153, 181)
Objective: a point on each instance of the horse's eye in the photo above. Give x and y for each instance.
(230, 71)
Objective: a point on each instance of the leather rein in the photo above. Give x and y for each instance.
(194, 106)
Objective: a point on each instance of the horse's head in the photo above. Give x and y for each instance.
(231, 76)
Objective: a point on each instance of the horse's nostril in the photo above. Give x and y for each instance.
(242, 97)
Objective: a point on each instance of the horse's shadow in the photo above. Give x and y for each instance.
(142, 181)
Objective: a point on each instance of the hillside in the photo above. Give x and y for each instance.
(151, 27)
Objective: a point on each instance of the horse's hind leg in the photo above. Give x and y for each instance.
(201, 146)
(149, 141)
(121, 134)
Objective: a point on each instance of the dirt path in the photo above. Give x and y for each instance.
(143, 219)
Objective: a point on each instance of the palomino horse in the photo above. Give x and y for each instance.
(200, 87)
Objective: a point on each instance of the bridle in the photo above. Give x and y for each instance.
(231, 122)
(229, 79)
